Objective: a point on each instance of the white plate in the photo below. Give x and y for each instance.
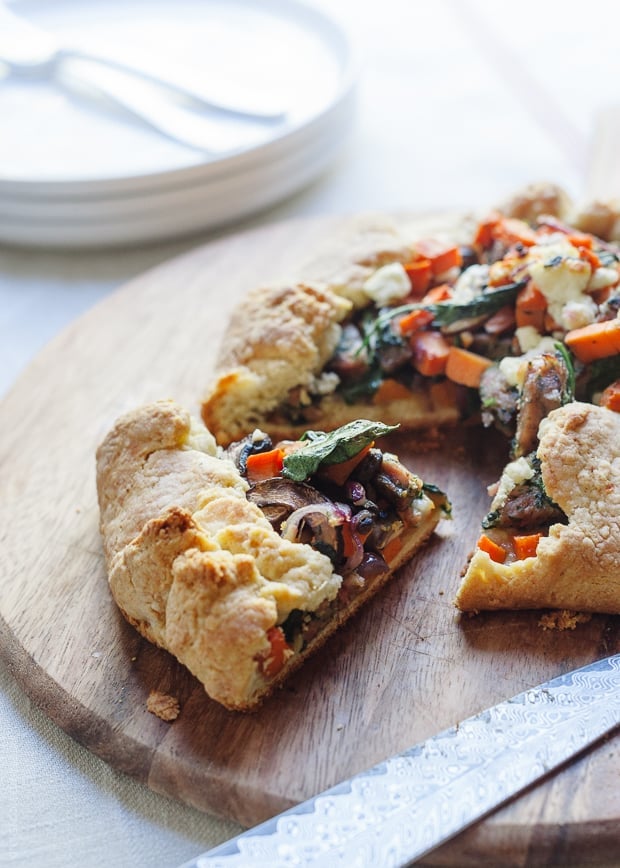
(173, 213)
(201, 193)
(53, 145)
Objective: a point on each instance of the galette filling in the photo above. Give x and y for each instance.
(469, 314)
(521, 511)
(345, 497)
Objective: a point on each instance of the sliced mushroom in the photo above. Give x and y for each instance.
(543, 390)
(318, 525)
(279, 497)
(395, 484)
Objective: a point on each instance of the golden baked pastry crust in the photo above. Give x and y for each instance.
(196, 567)
(577, 566)
(182, 550)
(280, 338)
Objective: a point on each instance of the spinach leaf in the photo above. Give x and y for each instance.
(364, 387)
(446, 313)
(565, 354)
(332, 448)
(601, 374)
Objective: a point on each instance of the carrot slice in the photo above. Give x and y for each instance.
(580, 239)
(430, 353)
(441, 256)
(511, 230)
(392, 549)
(279, 651)
(465, 367)
(588, 255)
(484, 233)
(264, 465)
(494, 551)
(441, 292)
(420, 273)
(340, 472)
(595, 341)
(414, 321)
(526, 545)
(530, 307)
(611, 397)
(390, 390)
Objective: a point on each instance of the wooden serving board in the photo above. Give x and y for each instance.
(405, 668)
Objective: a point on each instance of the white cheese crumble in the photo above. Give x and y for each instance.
(470, 284)
(324, 384)
(388, 284)
(513, 367)
(514, 473)
(562, 277)
(602, 278)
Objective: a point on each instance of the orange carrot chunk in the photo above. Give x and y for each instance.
(484, 233)
(414, 321)
(526, 545)
(392, 549)
(430, 353)
(494, 551)
(611, 397)
(420, 273)
(390, 390)
(442, 292)
(340, 472)
(465, 367)
(530, 307)
(264, 465)
(595, 341)
(279, 651)
(588, 255)
(511, 230)
(441, 256)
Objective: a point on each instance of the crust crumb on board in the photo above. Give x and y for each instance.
(163, 706)
(563, 619)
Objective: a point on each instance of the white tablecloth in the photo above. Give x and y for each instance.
(460, 103)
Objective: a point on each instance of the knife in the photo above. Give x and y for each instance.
(400, 810)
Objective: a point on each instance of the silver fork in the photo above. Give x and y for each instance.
(206, 123)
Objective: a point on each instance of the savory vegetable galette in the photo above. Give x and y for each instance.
(552, 537)
(411, 330)
(241, 563)
(242, 545)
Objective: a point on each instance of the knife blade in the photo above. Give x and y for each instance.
(399, 810)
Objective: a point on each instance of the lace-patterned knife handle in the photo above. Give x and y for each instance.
(399, 810)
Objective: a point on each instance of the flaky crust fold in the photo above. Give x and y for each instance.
(280, 338)
(192, 564)
(577, 566)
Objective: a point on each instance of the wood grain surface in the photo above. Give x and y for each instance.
(405, 668)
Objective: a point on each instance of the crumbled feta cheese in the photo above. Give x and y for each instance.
(510, 366)
(514, 473)
(324, 384)
(388, 284)
(513, 367)
(576, 314)
(470, 284)
(602, 278)
(561, 276)
(528, 338)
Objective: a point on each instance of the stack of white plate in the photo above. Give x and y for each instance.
(78, 172)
